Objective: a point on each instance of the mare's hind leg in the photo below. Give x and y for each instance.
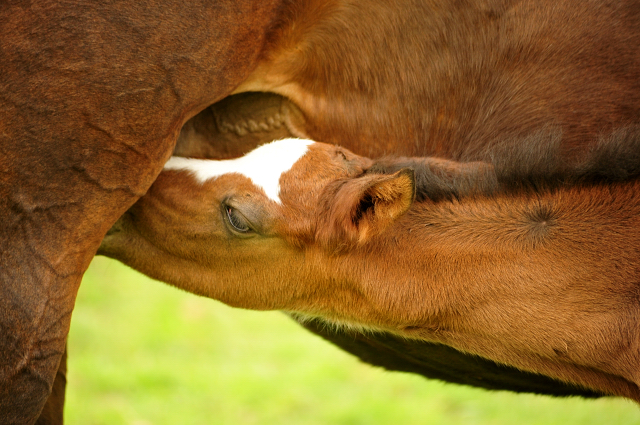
(238, 124)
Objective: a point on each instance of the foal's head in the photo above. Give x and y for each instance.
(240, 230)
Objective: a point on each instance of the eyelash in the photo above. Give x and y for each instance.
(236, 220)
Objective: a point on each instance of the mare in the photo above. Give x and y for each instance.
(94, 96)
(317, 231)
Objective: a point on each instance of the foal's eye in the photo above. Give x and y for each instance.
(236, 220)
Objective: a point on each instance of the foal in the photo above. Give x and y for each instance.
(546, 282)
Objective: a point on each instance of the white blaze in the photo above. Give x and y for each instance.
(263, 165)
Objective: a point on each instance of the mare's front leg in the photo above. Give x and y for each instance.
(85, 128)
(53, 411)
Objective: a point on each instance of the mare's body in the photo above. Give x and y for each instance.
(93, 97)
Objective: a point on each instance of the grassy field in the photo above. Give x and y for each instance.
(143, 353)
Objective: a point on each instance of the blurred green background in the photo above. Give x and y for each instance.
(143, 353)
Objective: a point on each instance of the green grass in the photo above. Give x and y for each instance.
(141, 353)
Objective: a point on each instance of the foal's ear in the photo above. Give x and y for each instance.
(364, 207)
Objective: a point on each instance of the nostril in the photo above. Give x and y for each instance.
(112, 239)
(113, 231)
(116, 228)
(121, 224)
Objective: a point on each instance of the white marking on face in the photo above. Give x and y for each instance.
(263, 165)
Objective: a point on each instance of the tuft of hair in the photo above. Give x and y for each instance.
(334, 325)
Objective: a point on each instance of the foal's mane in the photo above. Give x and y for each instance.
(543, 160)
(537, 163)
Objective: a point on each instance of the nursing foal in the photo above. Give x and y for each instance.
(545, 281)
